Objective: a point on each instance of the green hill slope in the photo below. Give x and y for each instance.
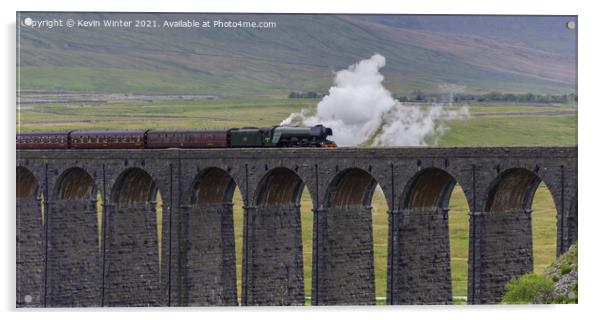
(301, 53)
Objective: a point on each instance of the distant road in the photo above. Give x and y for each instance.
(147, 117)
(514, 114)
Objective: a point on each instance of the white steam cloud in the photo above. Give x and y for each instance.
(361, 111)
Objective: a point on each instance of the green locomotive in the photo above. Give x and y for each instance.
(281, 137)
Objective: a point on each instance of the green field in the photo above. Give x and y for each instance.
(489, 125)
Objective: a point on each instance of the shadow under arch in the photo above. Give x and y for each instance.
(30, 246)
(419, 251)
(135, 186)
(351, 187)
(279, 186)
(513, 189)
(272, 245)
(73, 251)
(75, 184)
(135, 271)
(212, 185)
(207, 267)
(429, 188)
(27, 184)
(505, 229)
(343, 243)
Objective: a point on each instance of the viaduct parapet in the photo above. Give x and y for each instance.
(69, 255)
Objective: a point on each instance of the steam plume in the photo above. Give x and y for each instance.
(361, 111)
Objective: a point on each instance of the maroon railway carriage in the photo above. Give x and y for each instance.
(108, 139)
(201, 138)
(267, 137)
(43, 140)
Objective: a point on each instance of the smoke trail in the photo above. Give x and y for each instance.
(361, 111)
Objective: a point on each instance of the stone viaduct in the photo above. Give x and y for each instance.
(68, 255)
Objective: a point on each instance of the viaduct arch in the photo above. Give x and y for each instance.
(344, 253)
(502, 246)
(273, 253)
(184, 255)
(73, 255)
(419, 249)
(208, 263)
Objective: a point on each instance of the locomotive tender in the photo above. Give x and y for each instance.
(251, 137)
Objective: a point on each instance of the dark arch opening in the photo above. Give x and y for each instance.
(75, 184)
(213, 186)
(429, 188)
(134, 186)
(27, 184)
(351, 187)
(513, 189)
(280, 186)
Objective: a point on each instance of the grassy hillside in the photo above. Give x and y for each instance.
(301, 53)
(541, 32)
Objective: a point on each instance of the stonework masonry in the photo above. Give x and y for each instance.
(422, 273)
(128, 248)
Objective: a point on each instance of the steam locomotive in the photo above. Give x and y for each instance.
(251, 137)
